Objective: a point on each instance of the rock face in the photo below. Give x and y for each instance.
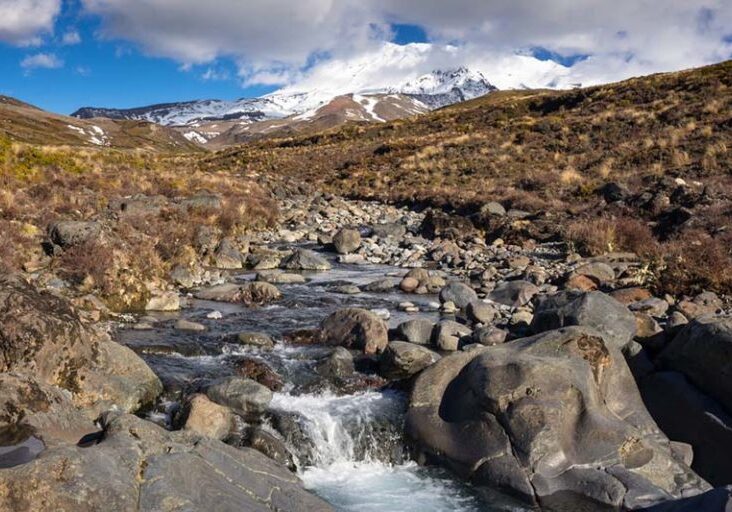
(593, 309)
(703, 352)
(401, 360)
(355, 328)
(347, 241)
(42, 335)
(138, 466)
(555, 419)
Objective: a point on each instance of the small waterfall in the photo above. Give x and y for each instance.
(354, 456)
(362, 427)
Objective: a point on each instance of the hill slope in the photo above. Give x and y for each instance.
(25, 123)
(663, 141)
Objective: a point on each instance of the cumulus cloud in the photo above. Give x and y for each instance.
(41, 60)
(22, 22)
(281, 41)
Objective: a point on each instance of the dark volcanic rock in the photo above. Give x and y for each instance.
(593, 309)
(686, 414)
(703, 352)
(556, 419)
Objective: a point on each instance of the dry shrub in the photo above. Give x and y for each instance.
(599, 236)
(592, 237)
(92, 259)
(696, 262)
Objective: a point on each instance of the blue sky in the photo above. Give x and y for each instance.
(64, 54)
(117, 74)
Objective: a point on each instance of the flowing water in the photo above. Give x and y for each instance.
(354, 456)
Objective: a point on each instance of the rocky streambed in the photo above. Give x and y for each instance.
(365, 357)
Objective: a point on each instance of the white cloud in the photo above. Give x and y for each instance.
(41, 60)
(215, 74)
(319, 41)
(71, 38)
(22, 22)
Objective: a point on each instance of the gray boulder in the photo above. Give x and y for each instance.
(458, 293)
(69, 233)
(245, 397)
(227, 256)
(703, 352)
(338, 365)
(355, 328)
(481, 312)
(251, 294)
(594, 309)
(555, 419)
(402, 360)
(417, 330)
(347, 241)
(304, 259)
(448, 334)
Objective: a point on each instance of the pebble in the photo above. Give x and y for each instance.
(215, 315)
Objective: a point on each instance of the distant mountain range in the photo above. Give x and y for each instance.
(294, 111)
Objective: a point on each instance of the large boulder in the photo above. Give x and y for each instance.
(355, 328)
(685, 414)
(594, 309)
(401, 360)
(703, 352)
(304, 259)
(69, 233)
(555, 419)
(42, 335)
(139, 466)
(458, 293)
(347, 241)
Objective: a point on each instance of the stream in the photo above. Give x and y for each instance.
(354, 455)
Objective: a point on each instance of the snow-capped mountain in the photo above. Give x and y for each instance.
(442, 88)
(436, 89)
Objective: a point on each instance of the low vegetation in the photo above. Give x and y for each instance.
(644, 165)
(665, 139)
(40, 185)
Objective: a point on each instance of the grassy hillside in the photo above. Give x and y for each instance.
(24, 123)
(665, 137)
